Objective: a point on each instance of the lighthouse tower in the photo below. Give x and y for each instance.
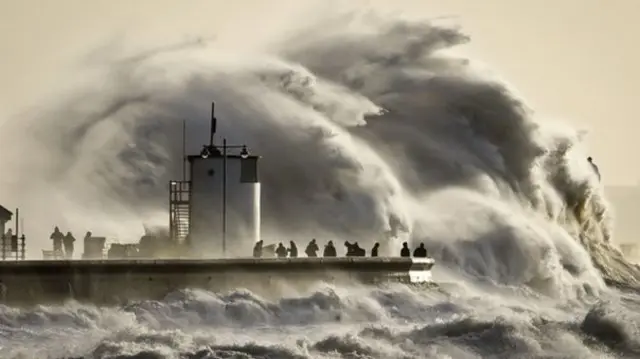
(223, 201)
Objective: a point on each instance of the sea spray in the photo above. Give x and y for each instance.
(372, 131)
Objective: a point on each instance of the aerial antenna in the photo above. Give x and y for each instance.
(213, 123)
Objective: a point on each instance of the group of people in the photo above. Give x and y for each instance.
(63, 243)
(352, 250)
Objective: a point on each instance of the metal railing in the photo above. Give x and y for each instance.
(13, 248)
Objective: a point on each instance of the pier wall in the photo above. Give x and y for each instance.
(120, 281)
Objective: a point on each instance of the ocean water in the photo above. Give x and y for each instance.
(367, 124)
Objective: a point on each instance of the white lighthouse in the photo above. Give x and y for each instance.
(221, 201)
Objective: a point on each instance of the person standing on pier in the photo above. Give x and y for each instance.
(329, 250)
(257, 249)
(405, 251)
(420, 252)
(57, 237)
(293, 249)
(374, 250)
(68, 245)
(312, 249)
(281, 251)
(349, 249)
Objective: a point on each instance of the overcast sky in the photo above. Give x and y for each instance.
(576, 59)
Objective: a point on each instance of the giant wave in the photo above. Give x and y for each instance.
(368, 125)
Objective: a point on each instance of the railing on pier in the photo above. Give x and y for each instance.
(13, 247)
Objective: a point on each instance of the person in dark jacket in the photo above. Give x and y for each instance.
(358, 251)
(420, 252)
(312, 249)
(349, 247)
(329, 250)
(374, 250)
(281, 251)
(405, 251)
(257, 249)
(57, 237)
(293, 249)
(68, 241)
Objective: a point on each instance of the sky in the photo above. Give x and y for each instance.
(574, 60)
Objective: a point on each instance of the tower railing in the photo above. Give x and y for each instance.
(179, 209)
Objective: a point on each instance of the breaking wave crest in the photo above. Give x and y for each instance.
(369, 125)
(393, 322)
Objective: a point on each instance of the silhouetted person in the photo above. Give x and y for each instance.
(293, 249)
(329, 250)
(281, 251)
(312, 249)
(350, 249)
(257, 249)
(68, 241)
(420, 252)
(358, 251)
(374, 250)
(57, 237)
(595, 168)
(405, 251)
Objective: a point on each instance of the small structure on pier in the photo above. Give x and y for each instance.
(12, 244)
(215, 212)
(5, 216)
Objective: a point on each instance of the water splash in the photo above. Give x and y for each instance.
(367, 127)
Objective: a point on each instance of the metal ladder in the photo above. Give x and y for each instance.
(179, 214)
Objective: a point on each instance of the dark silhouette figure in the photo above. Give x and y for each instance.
(281, 251)
(57, 237)
(420, 252)
(374, 250)
(68, 241)
(405, 251)
(349, 247)
(595, 168)
(358, 251)
(329, 250)
(312, 249)
(354, 250)
(293, 249)
(257, 249)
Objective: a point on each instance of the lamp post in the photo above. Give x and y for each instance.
(243, 154)
(224, 198)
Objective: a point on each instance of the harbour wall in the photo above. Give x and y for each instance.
(25, 283)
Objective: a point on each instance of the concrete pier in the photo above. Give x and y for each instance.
(119, 281)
